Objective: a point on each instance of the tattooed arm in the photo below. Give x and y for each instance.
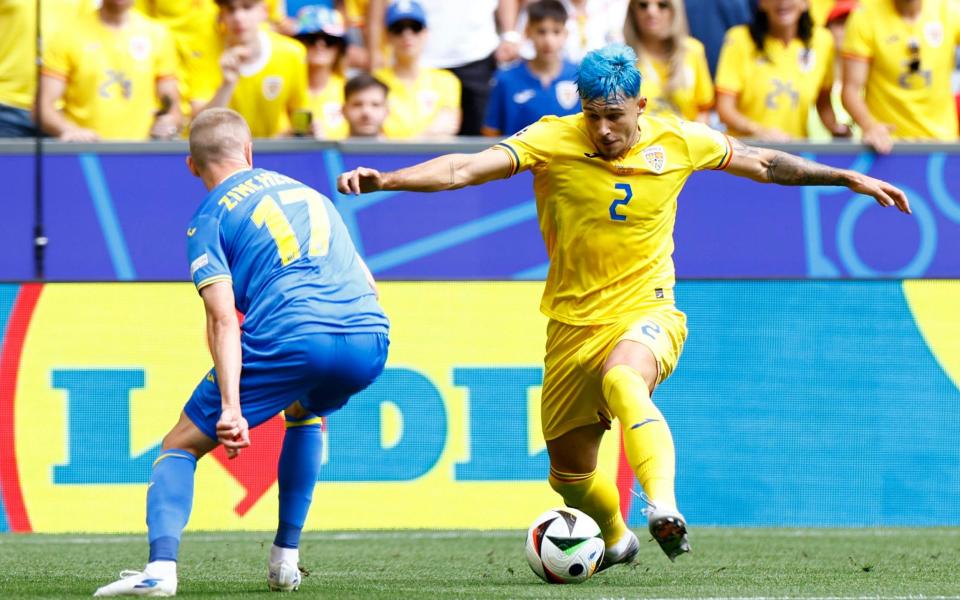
(773, 166)
(448, 172)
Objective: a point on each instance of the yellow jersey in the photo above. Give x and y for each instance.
(917, 102)
(608, 224)
(819, 10)
(18, 45)
(687, 101)
(414, 107)
(269, 90)
(111, 74)
(776, 87)
(327, 109)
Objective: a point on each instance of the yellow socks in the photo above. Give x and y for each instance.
(646, 435)
(595, 495)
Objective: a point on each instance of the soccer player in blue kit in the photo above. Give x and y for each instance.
(313, 335)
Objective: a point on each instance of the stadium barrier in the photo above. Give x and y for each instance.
(119, 212)
(796, 403)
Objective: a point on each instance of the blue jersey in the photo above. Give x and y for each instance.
(292, 264)
(519, 98)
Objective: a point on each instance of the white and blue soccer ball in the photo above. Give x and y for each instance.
(564, 545)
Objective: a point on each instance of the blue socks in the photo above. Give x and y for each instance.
(170, 494)
(169, 500)
(297, 475)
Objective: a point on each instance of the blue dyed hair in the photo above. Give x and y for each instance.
(609, 72)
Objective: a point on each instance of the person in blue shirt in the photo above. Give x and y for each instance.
(545, 85)
(709, 21)
(313, 335)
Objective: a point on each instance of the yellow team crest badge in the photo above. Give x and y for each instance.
(656, 158)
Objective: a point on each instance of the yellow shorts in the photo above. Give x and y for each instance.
(572, 392)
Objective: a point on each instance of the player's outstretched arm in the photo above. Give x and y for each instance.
(773, 166)
(223, 337)
(448, 172)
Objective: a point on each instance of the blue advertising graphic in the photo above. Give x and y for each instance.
(122, 217)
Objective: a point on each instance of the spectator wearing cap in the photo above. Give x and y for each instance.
(365, 105)
(676, 78)
(259, 73)
(424, 102)
(898, 60)
(105, 75)
(544, 85)
(464, 39)
(322, 31)
(772, 72)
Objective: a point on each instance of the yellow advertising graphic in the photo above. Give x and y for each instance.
(448, 437)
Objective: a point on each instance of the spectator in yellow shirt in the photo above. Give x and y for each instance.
(18, 55)
(898, 58)
(424, 102)
(322, 31)
(365, 105)
(260, 74)
(773, 71)
(114, 71)
(676, 78)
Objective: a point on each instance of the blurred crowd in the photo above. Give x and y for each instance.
(881, 71)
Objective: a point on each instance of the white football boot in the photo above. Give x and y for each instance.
(669, 529)
(137, 583)
(622, 553)
(283, 576)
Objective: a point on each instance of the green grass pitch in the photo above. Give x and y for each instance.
(726, 563)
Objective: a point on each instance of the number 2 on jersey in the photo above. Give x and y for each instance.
(614, 215)
(269, 213)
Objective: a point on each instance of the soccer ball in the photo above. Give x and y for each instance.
(564, 545)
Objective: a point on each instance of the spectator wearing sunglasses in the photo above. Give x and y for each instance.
(676, 78)
(424, 102)
(772, 72)
(323, 33)
(898, 58)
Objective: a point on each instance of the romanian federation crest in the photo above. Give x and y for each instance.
(272, 86)
(656, 158)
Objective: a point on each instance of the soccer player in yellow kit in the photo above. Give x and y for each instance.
(606, 183)
(901, 53)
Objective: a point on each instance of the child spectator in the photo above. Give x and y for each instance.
(365, 105)
(591, 24)
(544, 85)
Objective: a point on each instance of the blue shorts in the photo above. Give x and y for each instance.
(321, 370)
